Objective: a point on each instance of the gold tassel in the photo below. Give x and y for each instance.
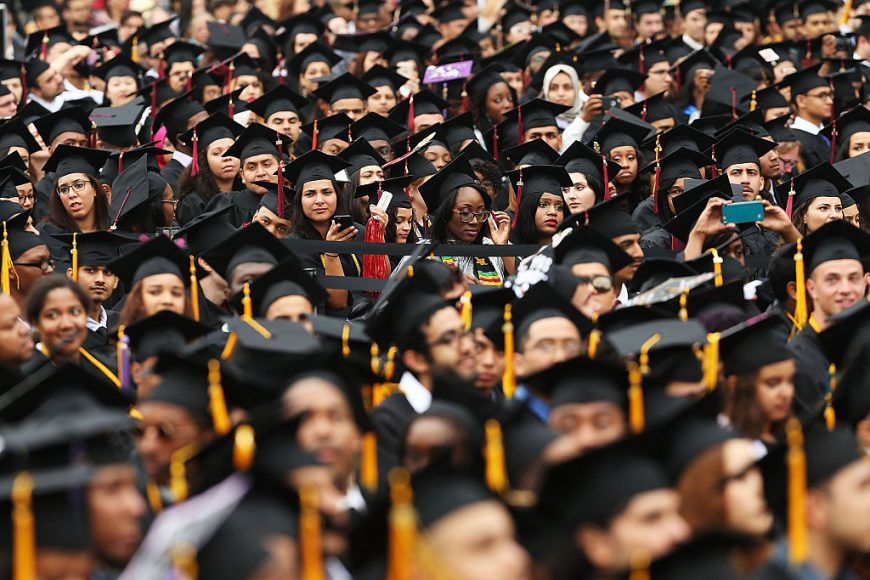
(309, 534)
(24, 528)
(800, 309)
(229, 346)
(635, 397)
(465, 310)
(594, 339)
(753, 101)
(153, 493)
(375, 362)
(830, 414)
(345, 340)
(247, 305)
(194, 289)
(509, 380)
(178, 471)
(684, 298)
(184, 562)
(134, 52)
(710, 362)
(75, 258)
(244, 447)
(368, 473)
(797, 490)
(496, 470)
(216, 400)
(7, 267)
(403, 527)
(390, 364)
(717, 268)
(640, 562)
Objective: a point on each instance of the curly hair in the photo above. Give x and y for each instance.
(203, 183)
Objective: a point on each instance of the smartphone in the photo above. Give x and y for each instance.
(608, 103)
(343, 221)
(743, 212)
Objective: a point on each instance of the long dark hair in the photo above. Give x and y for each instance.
(301, 226)
(525, 231)
(203, 183)
(58, 215)
(438, 231)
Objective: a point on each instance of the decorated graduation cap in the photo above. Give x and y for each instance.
(457, 173)
(618, 132)
(312, 166)
(287, 278)
(535, 114)
(279, 99)
(835, 240)
(67, 159)
(820, 181)
(588, 245)
(157, 256)
(424, 102)
(580, 158)
(345, 86)
(752, 345)
(258, 139)
(162, 333)
(250, 244)
(804, 80)
(117, 125)
(120, 66)
(360, 154)
(73, 120)
(741, 147)
(14, 133)
(207, 230)
(534, 152)
(314, 52)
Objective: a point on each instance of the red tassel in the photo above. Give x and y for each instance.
(23, 84)
(521, 138)
(790, 202)
(229, 82)
(833, 124)
(349, 135)
(411, 114)
(733, 103)
(231, 108)
(120, 162)
(189, 82)
(153, 101)
(714, 169)
(314, 136)
(161, 68)
(519, 199)
(606, 177)
(643, 111)
(656, 180)
(43, 51)
(466, 103)
(808, 55)
(375, 266)
(194, 166)
(278, 144)
(641, 62)
(495, 142)
(92, 140)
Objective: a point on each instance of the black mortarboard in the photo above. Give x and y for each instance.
(67, 159)
(183, 383)
(158, 92)
(278, 99)
(303, 23)
(14, 133)
(709, 124)
(579, 158)
(159, 32)
(119, 160)
(785, 11)
(455, 174)
(249, 244)
(610, 217)
(221, 104)
(66, 120)
(641, 57)
(162, 333)
(216, 126)
(810, 7)
(50, 37)
(175, 115)
(377, 41)
(855, 169)
(835, 240)
(207, 230)
(616, 80)
(855, 121)
(701, 59)
(672, 357)
(537, 113)
(654, 108)
(617, 132)
(360, 154)
(534, 152)
(34, 68)
(560, 33)
(582, 380)
(540, 301)
(269, 200)
(458, 129)
(804, 81)
(345, 86)
(820, 181)
(690, 207)
(587, 244)
(682, 136)
(402, 50)
(401, 310)
(437, 495)
(487, 305)
(741, 147)
(314, 52)
(779, 129)
(20, 239)
(95, 248)
(449, 12)
(120, 66)
(31, 111)
(135, 187)
(425, 103)
(727, 88)
(374, 127)
(157, 256)
(181, 51)
(514, 15)
(457, 49)
(224, 39)
(334, 126)
(379, 76)
(244, 64)
(312, 166)
(690, 437)
(752, 345)
(287, 278)
(10, 69)
(117, 125)
(258, 139)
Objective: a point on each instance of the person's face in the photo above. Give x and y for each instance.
(630, 244)
(743, 494)
(16, 346)
(178, 74)
(519, 32)
(792, 30)
(658, 79)
(735, 250)
(836, 285)
(547, 342)
(286, 123)
(477, 542)
(369, 22)
(693, 24)
(822, 210)
(747, 31)
(245, 273)
(32, 265)
(370, 174)
(499, 101)
(578, 23)
(8, 105)
(25, 196)
(589, 425)
(859, 143)
(469, 202)
(382, 101)
(561, 90)
(97, 281)
(210, 93)
(302, 40)
(452, 29)
(850, 215)
(116, 508)
(748, 176)
(251, 87)
(649, 26)
(788, 157)
(616, 22)
(353, 108)
(549, 214)
(50, 84)
(514, 79)
(333, 146)
(223, 168)
(438, 155)
(587, 299)
(46, 17)
(426, 120)
(327, 429)
(550, 135)
(277, 226)
(816, 25)
(626, 157)
(163, 292)
(382, 147)
(319, 200)
(72, 138)
(261, 167)
(451, 349)
(770, 165)
(489, 362)
(427, 435)
(129, 27)
(168, 202)
(120, 90)
(664, 125)
(62, 322)
(293, 309)
(841, 508)
(14, 85)
(404, 222)
(817, 103)
(579, 197)
(164, 429)
(78, 12)
(315, 70)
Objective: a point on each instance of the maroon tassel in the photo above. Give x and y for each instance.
(519, 199)
(231, 108)
(641, 62)
(314, 136)
(92, 137)
(656, 188)
(189, 82)
(194, 166)
(521, 138)
(791, 193)
(643, 111)
(714, 169)
(43, 51)
(411, 114)
(279, 144)
(465, 100)
(375, 266)
(495, 142)
(161, 68)
(808, 55)
(120, 162)
(733, 103)
(606, 177)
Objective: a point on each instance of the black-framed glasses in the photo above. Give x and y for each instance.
(451, 338)
(44, 265)
(466, 216)
(824, 95)
(599, 283)
(76, 186)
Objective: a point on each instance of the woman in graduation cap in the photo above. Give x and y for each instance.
(490, 97)
(247, 77)
(314, 62)
(122, 80)
(78, 202)
(541, 208)
(815, 197)
(562, 86)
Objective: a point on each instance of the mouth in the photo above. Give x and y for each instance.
(551, 223)
(326, 455)
(75, 206)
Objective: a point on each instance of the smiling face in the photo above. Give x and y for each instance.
(120, 90)
(836, 285)
(62, 322)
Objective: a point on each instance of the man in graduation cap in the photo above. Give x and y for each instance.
(281, 110)
(537, 120)
(44, 84)
(346, 94)
(812, 102)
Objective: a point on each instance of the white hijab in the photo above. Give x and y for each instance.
(579, 95)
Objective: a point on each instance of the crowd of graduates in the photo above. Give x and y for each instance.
(417, 289)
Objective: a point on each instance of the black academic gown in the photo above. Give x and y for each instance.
(102, 341)
(390, 419)
(58, 250)
(171, 172)
(110, 363)
(811, 373)
(42, 190)
(814, 148)
(245, 204)
(189, 206)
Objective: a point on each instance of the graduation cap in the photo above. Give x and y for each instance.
(425, 103)
(117, 125)
(642, 56)
(14, 133)
(345, 86)
(258, 139)
(588, 245)
(682, 136)
(459, 129)
(314, 52)
(163, 333)
(515, 14)
(159, 32)
(457, 173)
(120, 66)
(377, 41)
(73, 120)
(134, 188)
(580, 158)
(741, 147)
(402, 50)
(41, 40)
(581, 381)
(216, 126)
(303, 23)
(752, 345)
(807, 8)
(439, 494)
(727, 88)
(539, 179)
(156, 256)
(279, 99)
(617, 132)
(184, 383)
(617, 80)
(379, 76)
(360, 154)
(118, 160)
(835, 240)
(804, 80)
(228, 104)
(67, 159)
(94, 248)
(701, 59)
(414, 165)
(181, 51)
(33, 69)
(401, 309)
(337, 126)
(779, 129)
(690, 207)
(250, 244)
(610, 217)
(820, 181)
(855, 169)
(535, 114)
(709, 124)
(374, 127)
(20, 239)
(207, 230)
(312, 166)
(653, 109)
(287, 278)
(848, 124)
(175, 115)
(158, 93)
(457, 49)
(534, 152)
(225, 39)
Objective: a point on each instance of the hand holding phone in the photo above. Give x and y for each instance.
(743, 212)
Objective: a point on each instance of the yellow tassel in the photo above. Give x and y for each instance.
(753, 101)
(403, 527)
(153, 493)
(390, 365)
(75, 258)
(640, 562)
(7, 266)
(830, 414)
(229, 346)
(797, 490)
(120, 347)
(684, 298)
(635, 398)
(368, 473)
(594, 341)
(178, 471)
(244, 447)
(375, 362)
(216, 401)
(194, 290)
(496, 470)
(800, 309)
(717, 268)
(345, 340)
(184, 562)
(24, 528)
(247, 305)
(101, 367)
(134, 51)
(309, 534)
(258, 328)
(710, 362)
(509, 380)
(465, 310)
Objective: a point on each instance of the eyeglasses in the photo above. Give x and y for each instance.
(824, 96)
(466, 216)
(599, 283)
(451, 338)
(569, 347)
(174, 202)
(77, 186)
(44, 265)
(25, 198)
